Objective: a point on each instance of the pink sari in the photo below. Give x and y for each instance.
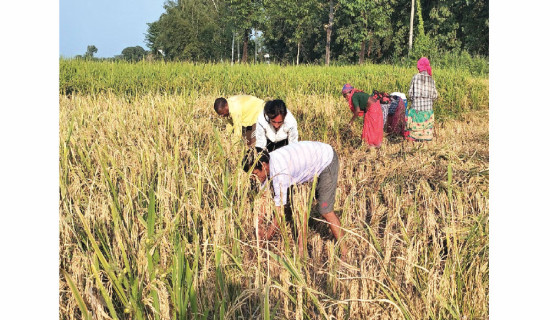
(373, 125)
(373, 122)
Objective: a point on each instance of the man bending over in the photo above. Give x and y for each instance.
(295, 164)
(241, 113)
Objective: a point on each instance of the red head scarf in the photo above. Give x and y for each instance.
(424, 64)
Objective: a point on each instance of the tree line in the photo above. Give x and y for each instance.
(136, 53)
(318, 32)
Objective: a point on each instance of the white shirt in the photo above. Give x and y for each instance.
(297, 163)
(399, 94)
(264, 130)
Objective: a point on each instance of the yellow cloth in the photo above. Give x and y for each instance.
(244, 111)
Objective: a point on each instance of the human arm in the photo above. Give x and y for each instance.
(267, 233)
(410, 94)
(237, 128)
(355, 115)
(356, 102)
(280, 185)
(293, 135)
(293, 131)
(261, 140)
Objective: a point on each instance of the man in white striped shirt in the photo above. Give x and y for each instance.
(295, 164)
(276, 126)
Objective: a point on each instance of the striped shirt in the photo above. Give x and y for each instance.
(295, 164)
(422, 92)
(264, 130)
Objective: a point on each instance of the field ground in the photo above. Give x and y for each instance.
(156, 221)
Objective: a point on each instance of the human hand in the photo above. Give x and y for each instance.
(261, 233)
(344, 253)
(270, 232)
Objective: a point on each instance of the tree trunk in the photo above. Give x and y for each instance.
(370, 47)
(362, 52)
(245, 46)
(411, 26)
(298, 55)
(255, 45)
(233, 49)
(329, 32)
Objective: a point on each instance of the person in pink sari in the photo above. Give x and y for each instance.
(363, 105)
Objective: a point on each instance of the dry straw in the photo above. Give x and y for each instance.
(157, 220)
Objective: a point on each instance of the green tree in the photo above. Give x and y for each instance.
(366, 28)
(423, 44)
(90, 52)
(241, 16)
(294, 31)
(443, 25)
(134, 53)
(189, 30)
(311, 31)
(456, 25)
(475, 28)
(461, 25)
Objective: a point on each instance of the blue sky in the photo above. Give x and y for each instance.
(110, 25)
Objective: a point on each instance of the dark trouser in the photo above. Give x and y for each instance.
(325, 192)
(275, 145)
(249, 134)
(326, 186)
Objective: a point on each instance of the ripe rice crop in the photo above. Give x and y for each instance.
(459, 90)
(157, 222)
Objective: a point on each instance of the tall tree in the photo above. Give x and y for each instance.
(133, 53)
(90, 50)
(329, 31)
(456, 24)
(442, 26)
(293, 30)
(369, 22)
(423, 45)
(411, 26)
(475, 27)
(356, 32)
(299, 32)
(189, 30)
(246, 36)
(242, 17)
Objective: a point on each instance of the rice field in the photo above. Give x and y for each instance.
(157, 221)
